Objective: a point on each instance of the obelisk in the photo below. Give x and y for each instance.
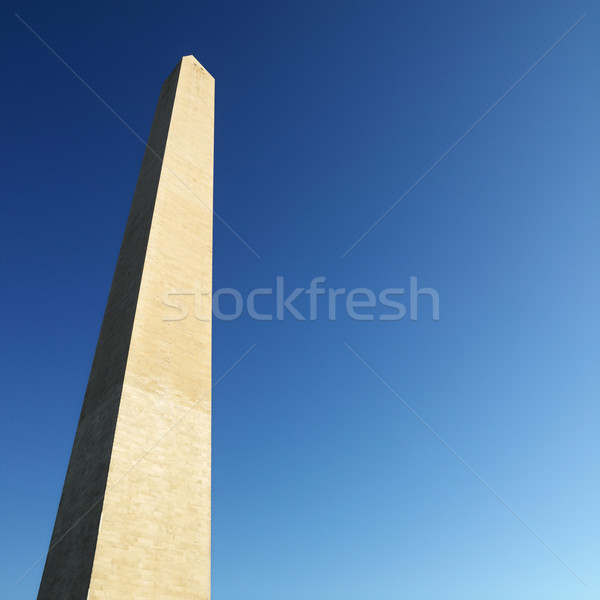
(134, 516)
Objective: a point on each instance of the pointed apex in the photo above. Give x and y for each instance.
(190, 58)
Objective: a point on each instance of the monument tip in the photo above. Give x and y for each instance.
(192, 59)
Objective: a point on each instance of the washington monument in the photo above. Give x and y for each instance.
(134, 515)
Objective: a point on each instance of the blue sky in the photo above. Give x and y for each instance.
(325, 485)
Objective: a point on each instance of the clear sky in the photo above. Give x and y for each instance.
(325, 485)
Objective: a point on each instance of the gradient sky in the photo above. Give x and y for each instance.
(325, 485)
